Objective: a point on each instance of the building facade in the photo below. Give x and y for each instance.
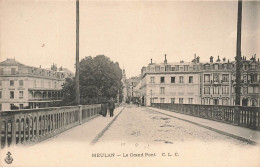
(170, 83)
(210, 83)
(23, 87)
(131, 84)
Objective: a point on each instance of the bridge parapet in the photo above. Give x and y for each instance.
(248, 117)
(31, 126)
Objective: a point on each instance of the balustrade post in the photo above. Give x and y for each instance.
(80, 114)
(236, 115)
(254, 118)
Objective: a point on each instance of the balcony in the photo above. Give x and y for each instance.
(46, 99)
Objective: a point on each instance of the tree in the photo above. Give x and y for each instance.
(99, 79)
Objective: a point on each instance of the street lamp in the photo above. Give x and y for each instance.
(151, 93)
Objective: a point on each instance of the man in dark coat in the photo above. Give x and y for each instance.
(111, 106)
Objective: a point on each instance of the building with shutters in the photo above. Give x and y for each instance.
(195, 82)
(23, 87)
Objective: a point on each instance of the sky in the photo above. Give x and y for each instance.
(38, 32)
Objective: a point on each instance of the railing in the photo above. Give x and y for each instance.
(248, 117)
(34, 125)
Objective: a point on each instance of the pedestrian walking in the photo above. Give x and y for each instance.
(104, 106)
(111, 106)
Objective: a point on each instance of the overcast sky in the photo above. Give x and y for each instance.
(131, 33)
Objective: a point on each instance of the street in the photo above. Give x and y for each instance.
(143, 125)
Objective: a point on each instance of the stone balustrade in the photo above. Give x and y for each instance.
(31, 126)
(248, 117)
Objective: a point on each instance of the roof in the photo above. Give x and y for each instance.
(11, 62)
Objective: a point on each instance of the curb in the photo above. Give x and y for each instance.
(212, 129)
(95, 140)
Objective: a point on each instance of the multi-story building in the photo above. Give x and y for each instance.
(23, 86)
(171, 83)
(211, 83)
(124, 90)
(250, 82)
(216, 82)
(131, 84)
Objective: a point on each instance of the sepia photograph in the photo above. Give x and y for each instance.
(130, 83)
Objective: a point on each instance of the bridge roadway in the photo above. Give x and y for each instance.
(139, 135)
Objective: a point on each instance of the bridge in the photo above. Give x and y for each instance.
(79, 132)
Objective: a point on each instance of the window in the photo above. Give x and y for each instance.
(162, 90)
(180, 79)
(21, 106)
(162, 100)
(206, 67)
(172, 100)
(162, 69)
(152, 69)
(13, 71)
(186, 68)
(207, 90)
(181, 100)
(20, 94)
(215, 66)
(1, 71)
(11, 94)
(181, 68)
(190, 79)
(172, 79)
(12, 106)
(0, 94)
(206, 101)
(225, 89)
(206, 77)
(225, 77)
(216, 77)
(0, 83)
(11, 82)
(215, 101)
(162, 79)
(224, 102)
(20, 82)
(190, 100)
(152, 79)
(0, 107)
(215, 90)
(173, 68)
(253, 78)
(177, 68)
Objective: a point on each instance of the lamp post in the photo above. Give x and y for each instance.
(238, 55)
(77, 55)
(151, 93)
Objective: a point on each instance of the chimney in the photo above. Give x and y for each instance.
(151, 61)
(211, 59)
(198, 59)
(165, 60)
(218, 60)
(224, 59)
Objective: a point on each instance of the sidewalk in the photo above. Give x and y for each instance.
(70, 148)
(240, 133)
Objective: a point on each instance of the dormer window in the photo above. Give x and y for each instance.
(13, 71)
(206, 67)
(215, 66)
